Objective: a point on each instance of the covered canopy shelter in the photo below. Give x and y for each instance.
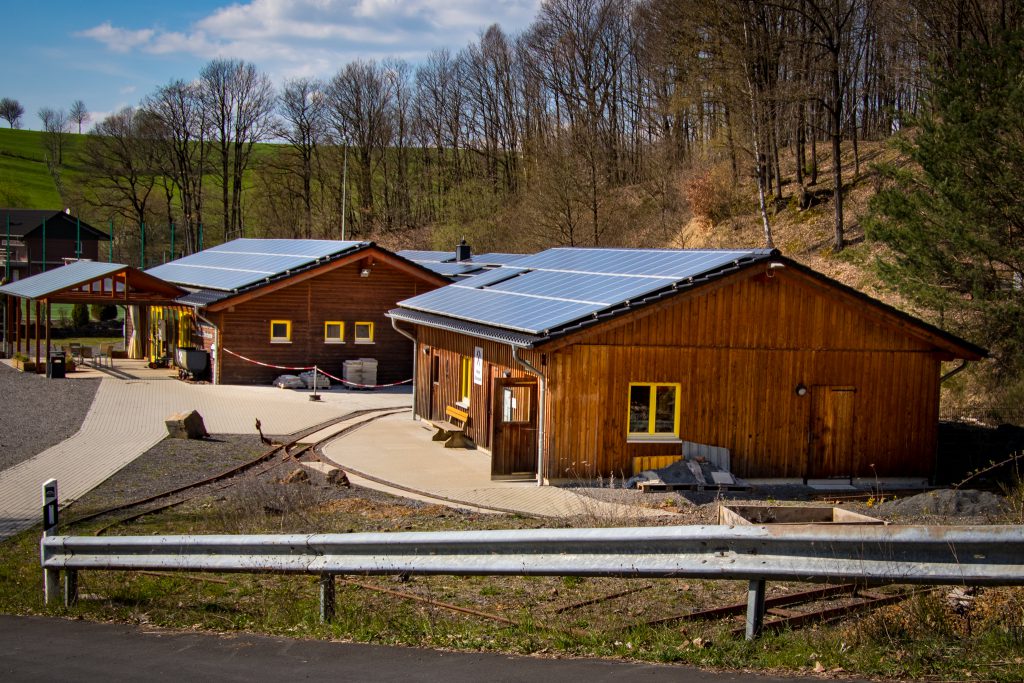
(87, 282)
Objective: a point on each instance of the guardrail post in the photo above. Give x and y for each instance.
(326, 598)
(51, 577)
(755, 608)
(70, 587)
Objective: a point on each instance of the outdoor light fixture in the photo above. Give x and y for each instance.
(426, 350)
(365, 272)
(801, 390)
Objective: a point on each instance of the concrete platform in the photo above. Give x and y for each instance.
(127, 419)
(398, 451)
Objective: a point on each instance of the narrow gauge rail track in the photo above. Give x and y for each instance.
(227, 478)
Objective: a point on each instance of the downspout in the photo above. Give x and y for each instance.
(954, 372)
(415, 357)
(215, 356)
(542, 391)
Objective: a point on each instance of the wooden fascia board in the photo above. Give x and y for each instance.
(345, 260)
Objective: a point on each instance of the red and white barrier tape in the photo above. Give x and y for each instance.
(320, 370)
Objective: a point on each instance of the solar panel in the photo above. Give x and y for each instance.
(449, 269)
(61, 278)
(501, 309)
(427, 256)
(496, 258)
(674, 263)
(561, 286)
(489, 277)
(245, 262)
(602, 289)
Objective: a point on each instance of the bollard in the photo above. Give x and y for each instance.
(51, 577)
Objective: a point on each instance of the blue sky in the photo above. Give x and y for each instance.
(112, 53)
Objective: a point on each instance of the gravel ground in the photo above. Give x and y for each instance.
(38, 412)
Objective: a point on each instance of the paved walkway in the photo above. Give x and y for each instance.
(127, 419)
(398, 451)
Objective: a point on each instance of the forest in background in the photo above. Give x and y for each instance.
(605, 123)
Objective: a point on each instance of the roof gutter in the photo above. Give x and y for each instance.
(215, 347)
(415, 358)
(542, 390)
(954, 372)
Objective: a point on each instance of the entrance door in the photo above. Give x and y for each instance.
(832, 423)
(514, 428)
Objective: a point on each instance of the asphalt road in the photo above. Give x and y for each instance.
(42, 649)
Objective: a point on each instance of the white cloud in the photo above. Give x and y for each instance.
(315, 37)
(118, 39)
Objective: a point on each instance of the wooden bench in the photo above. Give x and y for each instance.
(453, 435)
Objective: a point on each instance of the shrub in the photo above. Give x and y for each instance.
(103, 312)
(80, 315)
(710, 194)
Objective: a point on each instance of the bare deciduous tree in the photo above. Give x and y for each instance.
(239, 102)
(79, 114)
(182, 132)
(11, 111)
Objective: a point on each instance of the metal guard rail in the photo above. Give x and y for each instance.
(979, 555)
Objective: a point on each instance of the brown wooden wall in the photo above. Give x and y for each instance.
(337, 294)
(450, 347)
(738, 350)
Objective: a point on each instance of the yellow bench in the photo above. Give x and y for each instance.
(453, 435)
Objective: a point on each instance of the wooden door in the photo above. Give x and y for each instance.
(831, 436)
(514, 428)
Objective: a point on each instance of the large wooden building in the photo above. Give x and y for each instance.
(260, 305)
(573, 362)
(36, 240)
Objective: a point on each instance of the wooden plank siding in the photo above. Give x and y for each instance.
(739, 349)
(336, 294)
(450, 348)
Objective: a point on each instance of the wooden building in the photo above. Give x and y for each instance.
(258, 305)
(574, 362)
(38, 240)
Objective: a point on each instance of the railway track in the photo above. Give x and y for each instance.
(290, 451)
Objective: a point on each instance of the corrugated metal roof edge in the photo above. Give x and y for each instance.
(472, 329)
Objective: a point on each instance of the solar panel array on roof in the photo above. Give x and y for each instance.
(62, 278)
(561, 286)
(244, 262)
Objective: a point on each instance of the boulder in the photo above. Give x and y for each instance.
(187, 425)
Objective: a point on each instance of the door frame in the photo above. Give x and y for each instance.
(503, 464)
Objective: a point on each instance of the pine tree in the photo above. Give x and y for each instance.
(953, 217)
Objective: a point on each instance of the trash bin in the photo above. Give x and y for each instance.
(57, 366)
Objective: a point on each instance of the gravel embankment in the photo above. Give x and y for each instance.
(37, 412)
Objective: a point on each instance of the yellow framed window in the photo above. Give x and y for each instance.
(280, 331)
(334, 332)
(363, 333)
(653, 409)
(466, 375)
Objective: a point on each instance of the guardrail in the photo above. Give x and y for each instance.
(979, 555)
